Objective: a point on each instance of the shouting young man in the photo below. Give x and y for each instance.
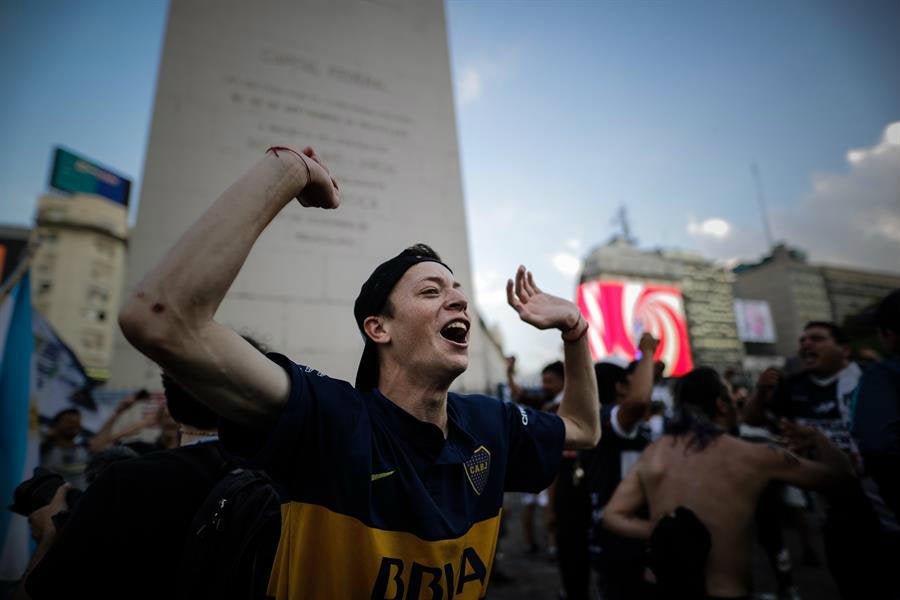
(393, 486)
(821, 396)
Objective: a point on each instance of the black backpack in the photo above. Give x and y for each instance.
(230, 545)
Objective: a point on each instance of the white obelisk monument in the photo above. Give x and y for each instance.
(366, 83)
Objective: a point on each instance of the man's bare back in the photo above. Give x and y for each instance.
(721, 483)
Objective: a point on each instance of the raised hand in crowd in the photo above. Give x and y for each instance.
(105, 436)
(633, 407)
(515, 390)
(762, 396)
(539, 309)
(579, 408)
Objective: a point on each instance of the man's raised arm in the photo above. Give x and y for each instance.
(169, 317)
(632, 409)
(579, 408)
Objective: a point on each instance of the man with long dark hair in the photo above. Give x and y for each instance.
(821, 396)
(700, 482)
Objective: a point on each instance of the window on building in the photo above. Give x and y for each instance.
(46, 264)
(53, 214)
(105, 247)
(93, 314)
(92, 340)
(44, 287)
(101, 270)
(97, 297)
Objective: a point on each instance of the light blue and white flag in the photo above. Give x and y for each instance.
(58, 381)
(39, 376)
(18, 431)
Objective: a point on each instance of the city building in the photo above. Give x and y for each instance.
(704, 288)
(491, 360)
(851, 291)
(77, 273)
(798, 291)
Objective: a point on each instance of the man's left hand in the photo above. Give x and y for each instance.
(539, 308)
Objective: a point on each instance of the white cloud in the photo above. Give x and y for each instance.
(850, 218)
(474, 79)
(469, 85)
(890, 140)
(573, 244)
(855, 156)
(566, 263)
(716, 228)
(490, 289)
(891, 135)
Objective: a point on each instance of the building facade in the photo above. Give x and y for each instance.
(77, 273)
(798, 292)
(706, 290)
(709, 305)
(851, 291)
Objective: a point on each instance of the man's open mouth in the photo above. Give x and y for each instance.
(456, 331)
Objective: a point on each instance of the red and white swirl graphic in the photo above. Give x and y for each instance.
(620, 312)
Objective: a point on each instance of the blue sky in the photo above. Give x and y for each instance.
(79, 74)
(565, 110)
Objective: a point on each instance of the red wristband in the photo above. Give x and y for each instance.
(274, 150)
(579, 331)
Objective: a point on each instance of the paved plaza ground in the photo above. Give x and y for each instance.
(536, 577)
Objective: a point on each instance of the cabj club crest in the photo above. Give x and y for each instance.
(478, 468)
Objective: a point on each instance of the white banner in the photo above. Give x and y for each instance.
(754, 321)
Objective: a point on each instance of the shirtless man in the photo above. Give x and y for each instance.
(717, 476)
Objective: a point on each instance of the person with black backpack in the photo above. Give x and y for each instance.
(187, 522)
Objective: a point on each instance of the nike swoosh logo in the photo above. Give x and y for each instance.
(378, 476)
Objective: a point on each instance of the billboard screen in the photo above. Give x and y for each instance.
(74, 174)
(10, 253)
(754, 321)
(620, 311)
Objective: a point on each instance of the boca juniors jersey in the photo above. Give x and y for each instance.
(378, 504)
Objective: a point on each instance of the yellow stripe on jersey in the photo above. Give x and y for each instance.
(378, 476)
(323, 554)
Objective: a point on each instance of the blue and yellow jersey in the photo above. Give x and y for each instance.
(380, 504)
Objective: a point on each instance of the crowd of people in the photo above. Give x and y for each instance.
(272, 479)
(677, 495)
